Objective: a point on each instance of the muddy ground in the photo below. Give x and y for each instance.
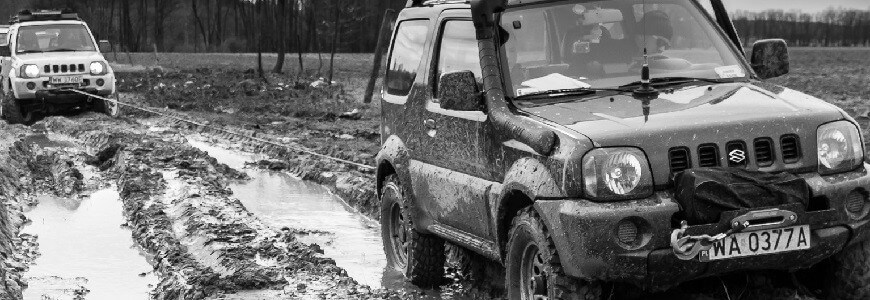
(202, 242)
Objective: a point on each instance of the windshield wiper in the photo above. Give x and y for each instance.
(666, 81)
(570, 92)
(29, 51)
(65, 50)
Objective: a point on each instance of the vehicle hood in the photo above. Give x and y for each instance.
(698, 115)
(60, 57)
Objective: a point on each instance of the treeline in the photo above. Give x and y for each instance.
(323, 26)
(829, 28)
(228, 25)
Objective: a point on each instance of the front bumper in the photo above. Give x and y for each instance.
(586, 235)
(49, 94)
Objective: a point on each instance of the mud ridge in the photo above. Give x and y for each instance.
(353, 185)
(27, 170)
(177, 201)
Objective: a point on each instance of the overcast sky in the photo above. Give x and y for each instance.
(804, 5)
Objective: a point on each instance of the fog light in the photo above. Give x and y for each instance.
(627, 233)
(31, 86)
(856, 205)
(101, 82)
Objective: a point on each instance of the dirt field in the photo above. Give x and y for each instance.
(179, 185)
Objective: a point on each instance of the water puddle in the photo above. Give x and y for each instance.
(281, 200)
(85, 250)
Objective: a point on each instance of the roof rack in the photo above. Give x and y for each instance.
(418, 3)
(44, 15)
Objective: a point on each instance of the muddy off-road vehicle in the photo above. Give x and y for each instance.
(49, 54)
(538, 134)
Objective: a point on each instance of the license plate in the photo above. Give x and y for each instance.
(66, 80)
(760, 242)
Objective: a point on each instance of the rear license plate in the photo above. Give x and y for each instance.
(759, 243)
(66, 80)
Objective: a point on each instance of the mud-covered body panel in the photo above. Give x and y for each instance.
(699, 115)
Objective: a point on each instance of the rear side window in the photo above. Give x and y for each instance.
(458, 50)
(407, 53)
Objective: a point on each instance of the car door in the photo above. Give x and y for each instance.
(455, 177)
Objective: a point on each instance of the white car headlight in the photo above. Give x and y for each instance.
(839, 148)
(30, 71)
(613, 174)
(97, 68)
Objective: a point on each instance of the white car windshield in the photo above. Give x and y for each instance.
(54, 38)
(600, 44)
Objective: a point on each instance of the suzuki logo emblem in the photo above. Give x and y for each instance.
(737, 156)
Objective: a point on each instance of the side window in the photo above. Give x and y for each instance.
(458, 50)
(407, 53)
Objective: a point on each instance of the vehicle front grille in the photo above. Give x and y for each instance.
(60, 69)
(708, 156)
(762, 154)
(791, 150)
(680, 159)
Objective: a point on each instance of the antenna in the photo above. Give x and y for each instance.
(646, 92)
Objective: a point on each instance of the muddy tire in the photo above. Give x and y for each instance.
(10, 110)
(420, 257)
(111, 109)
(850, 273)
(534, 270)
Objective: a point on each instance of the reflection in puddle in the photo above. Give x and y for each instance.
(281, 200)
(82, 243)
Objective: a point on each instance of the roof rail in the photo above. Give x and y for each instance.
(418, 3)
(44, 15)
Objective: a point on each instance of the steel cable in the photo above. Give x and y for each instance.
(264, 141)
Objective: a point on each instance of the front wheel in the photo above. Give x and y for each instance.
(850, 273)
(534, 271)
(420, 257)
(10, 110)
(110, 108)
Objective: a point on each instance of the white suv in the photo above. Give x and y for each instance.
(49, 56)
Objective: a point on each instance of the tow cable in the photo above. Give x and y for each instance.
(687, 247)
(206, 126)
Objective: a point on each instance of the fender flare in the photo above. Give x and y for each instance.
(527, 178)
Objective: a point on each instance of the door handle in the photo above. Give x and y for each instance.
(430, 124)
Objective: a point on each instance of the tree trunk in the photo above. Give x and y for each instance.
(335, 37)
(282, 40)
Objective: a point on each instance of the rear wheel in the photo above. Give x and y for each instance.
(10, 109)
(534, 271)
(420, 257)
(110, 108)
(850, 273)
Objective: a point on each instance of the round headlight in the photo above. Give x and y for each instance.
(31, 71)
(97, 68)
(622, 173)
(616, 174)
(833, 148)
(839, 147)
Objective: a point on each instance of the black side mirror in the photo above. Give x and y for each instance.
(458, 91)
(770, 58)
(105, 46)
(5, 51)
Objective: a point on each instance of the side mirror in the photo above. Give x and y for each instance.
(105, 46)
(5, 51)
(770, 58)
(458, 91)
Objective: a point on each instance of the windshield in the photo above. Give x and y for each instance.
(600, 44)
(54, 38)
